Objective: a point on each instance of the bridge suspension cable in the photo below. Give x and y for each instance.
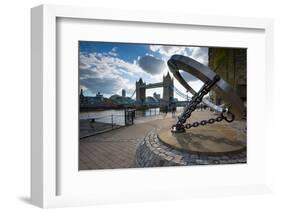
(179, 93)
(133, 94)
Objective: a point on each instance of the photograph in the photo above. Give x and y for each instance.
(159, 105)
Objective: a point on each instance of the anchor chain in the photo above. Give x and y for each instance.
(212, 120)
(196, 99)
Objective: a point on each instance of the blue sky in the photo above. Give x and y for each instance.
(109, 67)
(127, 52)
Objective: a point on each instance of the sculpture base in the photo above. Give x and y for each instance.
(214, 139)
(214, 144)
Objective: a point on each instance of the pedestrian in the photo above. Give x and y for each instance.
(173, 110)
(166, 110)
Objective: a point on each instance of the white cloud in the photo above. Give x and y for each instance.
(103, 65)
(197, 53)
(113, 52)
(168, 50)
(108, 74)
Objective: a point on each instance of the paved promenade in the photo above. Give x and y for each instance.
(117, 148)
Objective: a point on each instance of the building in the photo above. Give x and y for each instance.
(123, 93)
(151, 101)
(99, 97)
(117, 99)
(156, 96)
(231, 65)
(140, 91)
(168, 88)
(88, 100)
(167, 84)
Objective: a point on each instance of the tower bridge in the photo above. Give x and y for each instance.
(167, 84)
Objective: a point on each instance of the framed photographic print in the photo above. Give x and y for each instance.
(137, 106)
(130, 85)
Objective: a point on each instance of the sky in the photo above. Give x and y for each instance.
(108, 67)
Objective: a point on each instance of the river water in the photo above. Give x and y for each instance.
(118, 116)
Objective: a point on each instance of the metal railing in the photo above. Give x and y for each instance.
(95, 125)
(147, 113)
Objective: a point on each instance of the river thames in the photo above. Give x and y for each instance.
(118, 116)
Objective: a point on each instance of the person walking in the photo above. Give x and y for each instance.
(174, 110)
(166, 110)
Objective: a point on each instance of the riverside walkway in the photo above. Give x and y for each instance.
(117, 148)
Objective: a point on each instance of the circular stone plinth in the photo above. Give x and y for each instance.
(151, 152)
(214, 139)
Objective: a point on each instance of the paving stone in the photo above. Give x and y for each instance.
(224, 157)
(175, 157)
(169, 158)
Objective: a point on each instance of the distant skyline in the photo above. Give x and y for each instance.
(109, 67)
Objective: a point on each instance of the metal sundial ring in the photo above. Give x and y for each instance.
(210, 80)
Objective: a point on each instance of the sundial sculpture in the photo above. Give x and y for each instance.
(211, 81)
(205, 139)
(203, 142)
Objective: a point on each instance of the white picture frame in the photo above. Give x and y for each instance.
(44, 148)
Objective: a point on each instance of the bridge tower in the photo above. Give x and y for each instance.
(168, 88)
(140, 91)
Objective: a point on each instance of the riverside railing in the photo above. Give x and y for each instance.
(147, 113)
(95, 125)
(91, 125)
